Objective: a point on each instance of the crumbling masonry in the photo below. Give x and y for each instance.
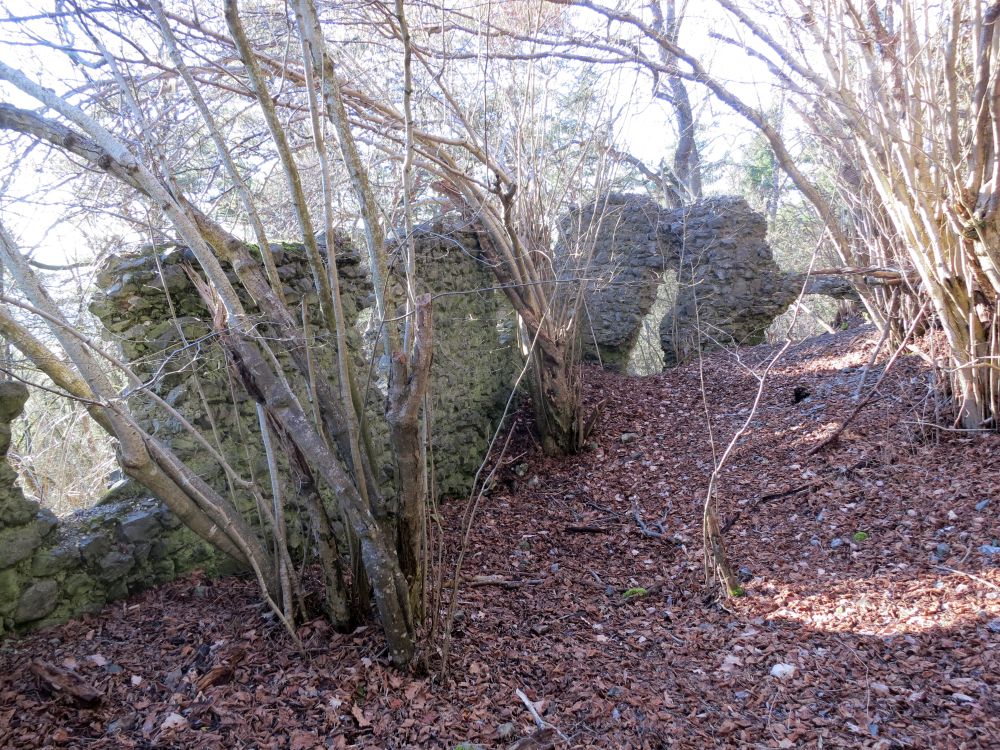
(729, 287)
(619, 248)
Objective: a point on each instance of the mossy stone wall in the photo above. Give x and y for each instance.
(54, 569)
(730, 289)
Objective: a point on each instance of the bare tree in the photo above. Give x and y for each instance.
(898, 93)
(321, 447)
(687, 174)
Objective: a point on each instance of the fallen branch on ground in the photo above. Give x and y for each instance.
(969, 575)
(66, 682)
(656, 533)
(502, 582)
(220, 673)
(542, 738)
(586, 529)
(763, 499)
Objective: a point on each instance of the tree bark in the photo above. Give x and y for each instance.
(408, 382)
(380, 560)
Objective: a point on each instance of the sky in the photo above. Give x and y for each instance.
(32, 204)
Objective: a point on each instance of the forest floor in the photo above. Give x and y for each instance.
(871, 616)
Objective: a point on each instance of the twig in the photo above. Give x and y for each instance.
(763, 499)
(587, 529)
(969, 575)
(502, 582)
(863, 663)
(658, 533)
(539, 721)
(865, 401)
(716, 563)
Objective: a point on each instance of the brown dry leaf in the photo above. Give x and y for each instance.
(173, 720)
(730, 663)
(302, 740)
(359, 716)
(61, 735)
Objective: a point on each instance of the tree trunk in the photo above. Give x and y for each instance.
(338, 598)
(380, 560)
(408, 381)
(555, 390)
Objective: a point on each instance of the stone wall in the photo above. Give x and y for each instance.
(730, 288)
(473, 368)
(139, 296)
(617, 246)
(151, 310)
(53, 570)
(725, 266)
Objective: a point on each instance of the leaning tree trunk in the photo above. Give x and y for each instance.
(380, 560)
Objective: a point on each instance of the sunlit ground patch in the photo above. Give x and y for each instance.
(890, 605)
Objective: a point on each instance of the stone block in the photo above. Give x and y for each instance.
(45, 521)
(114, 565)
(37, 601)
(94, 546)
(49, 561)
(140, 525)
(15, 508)
(79, 585)
(13, 396)
(10, 589)
(19, 543)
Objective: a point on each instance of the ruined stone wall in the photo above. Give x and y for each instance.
(725, 266)
(150, 308)
(729, 287)
(472, 371)
(617, 247)
(52, 570)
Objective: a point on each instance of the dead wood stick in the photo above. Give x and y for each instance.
(763, 499)
(502, 582)
(541, 737)
(221, 672)
(871, 394)
(531, 708)
(888, 274)
(969, 575)
(65, 681)
(658, 533)
(574, 529)
(587, 427)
